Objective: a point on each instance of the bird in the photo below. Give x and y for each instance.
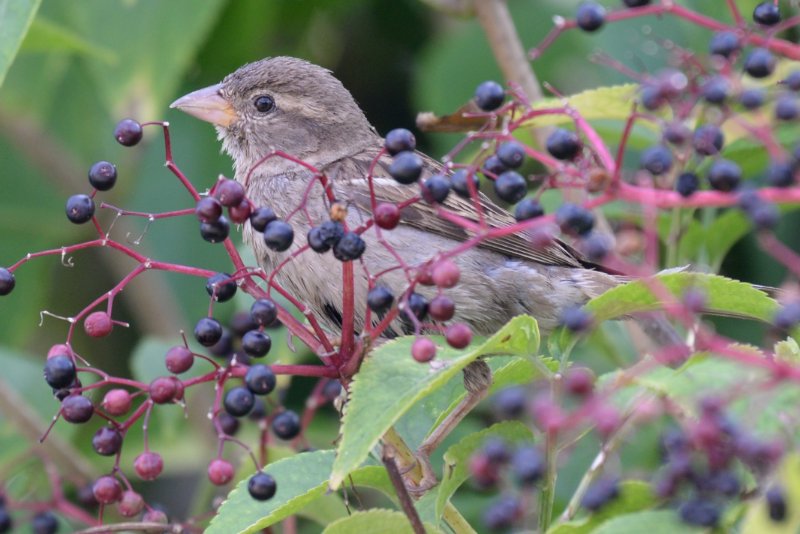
(292, 106)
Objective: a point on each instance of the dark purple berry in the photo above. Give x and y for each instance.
(406, 167)
(208, 210)
(787, 108)
(764, 216)
(332, 390)
(590, 16)
(636, 3)
(724, 175)
(228, 423)
(103, 175)
(229, 193)
(576, 319)
(350, 247)
(260, 379)
(77, 409)
(261, 217)
(528, 465)
(510, 403)
(788, 316)
(759, 63)
(725, 483)
(400, 140)
(780, 174)
(215, 231)
(6, 522)
(264, 312)
(221, 287)
(511, 187)
(224, 347)
(496, 450)
(528, 208)
(79, 208)
(44, 523)
(651, 97)
(724, 44)
(208, 331)
(286, 425)
(708, 140)
(460, 183)
(716, 90)
(502, 513)
(128, 132)
(436, 188)
(239, 401)
(278, 235)
(489, 96)
(752, 98)
(59, 371)
(323, 237)
(418, 305)
(7, 281)
(563, 144)
(676, 133)
(792, 81)
(767, 13)
(107, 441)
(179, 359)
(574, 219)
(511, 154)
(256, 343)
(700, 512)
(241, 323)
(493, 166)
(379, 299)
(596, 246)
(656, 159)
(776, 503)
(687, 184)
(261, 486)
(107, 490)
(600, 493)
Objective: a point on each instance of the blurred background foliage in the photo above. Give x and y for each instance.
(84, 65)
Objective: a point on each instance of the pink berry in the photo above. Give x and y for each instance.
(98, 324)
(579, 381)
(220, 472)
(458, 335)
(163, 389)
(441, 308)
(107, 490)
(130, 504)
(387, 216)
(117, 402)
(59, 350)
(423, 350)
(148, 465)
(446, 274)
(155, 516)
(179, 359)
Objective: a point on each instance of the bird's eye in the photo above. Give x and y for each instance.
(264, 103)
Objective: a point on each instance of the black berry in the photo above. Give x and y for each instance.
(596, 246)
(724, 175)
(635, 3)
(788, 316)
(676, 133)
(776, 503)
(708, 140)
(528, 208)
(590, 16)
(502, 513)
(780, 174)
(716, 90)
(260, 379)
(208, 210)
(787, 108)
(228, 423)
(752, 98)
(460, 182)
(436, 188)
(128, 132)
(699, 512)
(563, 144)
(400, 140)
(767, 13)
(6, 523)
(350, 247)
(223, 348)
(321, 238)
(261, 486)
(528, 465)
(286, 425)
(221, 287)
(511, 154)
(574, 219)
(264, 312)
(44, 523)
(687, 183)
(724, 44)
(510, 403)
(764, 216)
(489, 96)
(80, 208)
(792, 81)
(656, 159)
(278, 235)
(239, 401)
(576, 319)
(379, 299)
(215, 231)
(406, 167)
(59, 371)
(107, 441)
(759, 63)
(256, 344)
(77, 409)
(599, 494)
(7, 281)
(511, 187)
(208, 331)
(493, 166)
(261, 217)
(103, 175)
(418, 305)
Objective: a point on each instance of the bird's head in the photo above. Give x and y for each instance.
(281, 103)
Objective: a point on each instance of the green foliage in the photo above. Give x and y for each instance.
(375, 521)
(17, 16)
(634, 496)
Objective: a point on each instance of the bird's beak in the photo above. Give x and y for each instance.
(207, 104)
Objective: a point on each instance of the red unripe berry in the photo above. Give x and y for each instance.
(446, 274)
(423, 350)
(220, 472)
(130, 504)
(425, 275)
(155, 516)
(163, 389)
(179, 388)
(98, 324)
(107, 490)
(59, 350)
(458, 335)
(179, 359)
(117, 402)
(240, 213)
(387, 216)
(441, 308)
(606, 419)
(229, 193)
(579, 381)
(547, 414)
(485, 472)
(148, 465)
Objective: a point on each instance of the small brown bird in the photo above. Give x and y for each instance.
(293, 106)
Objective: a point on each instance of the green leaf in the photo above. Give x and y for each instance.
(716, 239)
(650, 521)
(634, 496)
(723, 295)
(375, 521)
(301, 480)
(456, 459)
(16, 16)
(390, 382)
(610, 102)
(47, 36)
(757, 519)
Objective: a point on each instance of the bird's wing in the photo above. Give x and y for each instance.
(349, 175)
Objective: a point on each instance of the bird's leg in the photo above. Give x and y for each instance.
(477, 379)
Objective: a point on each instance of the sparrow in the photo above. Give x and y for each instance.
(290, 105)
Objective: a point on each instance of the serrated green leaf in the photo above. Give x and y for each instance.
(456, 459)
(634, 496)
(301, 479)
(47, 36)
(723, 295)
(650, 521)
(17, 16)
(757, 519)
(390, 382)
(375, 521)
